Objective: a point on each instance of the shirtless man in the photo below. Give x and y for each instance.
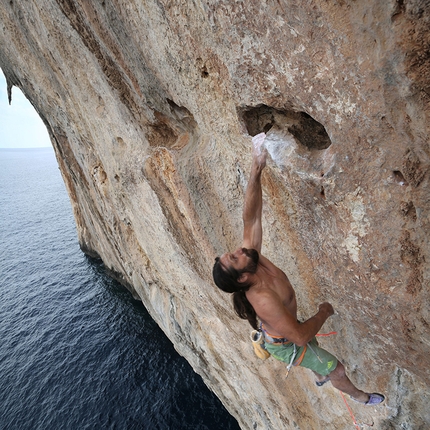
(261, 290)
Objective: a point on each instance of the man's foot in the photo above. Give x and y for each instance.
(374, 399)
(322, 382)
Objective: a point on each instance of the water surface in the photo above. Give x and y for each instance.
(77, 351)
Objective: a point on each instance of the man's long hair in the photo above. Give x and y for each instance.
(226, 279)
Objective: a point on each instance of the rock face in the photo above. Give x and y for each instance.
(150, 105)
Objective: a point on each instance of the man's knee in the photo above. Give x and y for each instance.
(338, 372)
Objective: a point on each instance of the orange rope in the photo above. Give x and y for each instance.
(350, 411)
(352, 415)
(300, 359)
(326, 334)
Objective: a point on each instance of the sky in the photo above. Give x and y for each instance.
(20, 125)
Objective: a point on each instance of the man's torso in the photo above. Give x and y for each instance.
(275, 281)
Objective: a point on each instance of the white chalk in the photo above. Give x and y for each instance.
(280, 145)
(258, 141)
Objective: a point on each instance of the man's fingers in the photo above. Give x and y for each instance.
(327, 307)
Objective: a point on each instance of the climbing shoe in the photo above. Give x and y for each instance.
(321, 383)
(374, 399)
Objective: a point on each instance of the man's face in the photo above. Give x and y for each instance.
(243, 260)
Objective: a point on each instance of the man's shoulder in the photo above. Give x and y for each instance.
(267, 264)
(264, 259)
(261, 293)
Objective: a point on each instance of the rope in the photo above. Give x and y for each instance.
(350, 411)
(354, 421)
(326, 334)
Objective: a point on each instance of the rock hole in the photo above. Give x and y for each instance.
(267, 127)
(310, 133)
(183, 120)
(99, 174)
(257, 119)
(181, 113)
(174, 128)
(204, 72)
(307, 132)
(203, 68)
(161, 132)
(408, 210)
(322, 192)
(411, 169)
(399, 178)
(399, 9)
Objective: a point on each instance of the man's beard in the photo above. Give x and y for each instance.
(253, 254)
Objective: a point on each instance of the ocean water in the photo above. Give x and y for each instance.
(76, 350)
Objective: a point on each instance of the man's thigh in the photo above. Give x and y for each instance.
(318, 359)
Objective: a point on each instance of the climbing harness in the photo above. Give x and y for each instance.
(281, 340)
(291, 363)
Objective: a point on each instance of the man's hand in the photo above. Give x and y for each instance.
(327, 308)
(259, 152)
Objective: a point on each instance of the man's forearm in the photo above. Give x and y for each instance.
(253, 206)
(312, 326)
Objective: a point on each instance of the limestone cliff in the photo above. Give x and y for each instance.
(150, 105)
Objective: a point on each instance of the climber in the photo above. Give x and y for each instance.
(261, 290)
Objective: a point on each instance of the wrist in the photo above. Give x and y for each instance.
(257, 166)
(324, 313)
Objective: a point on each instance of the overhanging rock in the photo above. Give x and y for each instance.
(150, 106)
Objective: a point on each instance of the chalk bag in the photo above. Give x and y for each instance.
(258, 344)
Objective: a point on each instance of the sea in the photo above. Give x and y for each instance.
(76, 350)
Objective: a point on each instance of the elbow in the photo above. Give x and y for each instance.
(301, 342)
(302, 339)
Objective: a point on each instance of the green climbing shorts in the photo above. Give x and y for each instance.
(284, 352)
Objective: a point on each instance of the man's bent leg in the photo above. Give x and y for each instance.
(324, 364)
(340, 381)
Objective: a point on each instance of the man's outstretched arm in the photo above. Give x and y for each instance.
(253, 206)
